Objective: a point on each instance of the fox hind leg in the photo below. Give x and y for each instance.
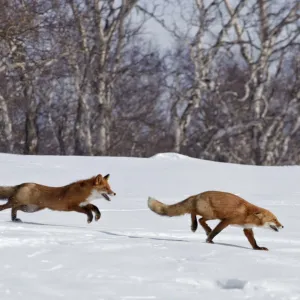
(207, 229)
(25, 208)
(7, 205)
(222, 225)
(14, 211)
(194, 223)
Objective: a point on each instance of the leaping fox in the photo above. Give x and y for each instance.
(228, 208)
(32, 197)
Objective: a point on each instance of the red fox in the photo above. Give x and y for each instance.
(228, 208)
(32, 197)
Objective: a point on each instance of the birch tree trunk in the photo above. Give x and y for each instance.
(6, 125)
(109, 26)
(31, 133)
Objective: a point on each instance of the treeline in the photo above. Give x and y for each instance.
(85, 78)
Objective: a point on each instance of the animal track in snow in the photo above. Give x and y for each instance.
(231, 284)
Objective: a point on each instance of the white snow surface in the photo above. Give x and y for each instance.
(132, 253)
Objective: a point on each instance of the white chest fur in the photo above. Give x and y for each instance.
(246, 226)
(94, 195)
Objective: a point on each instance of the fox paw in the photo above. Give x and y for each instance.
(17, 220)
(193, 228)
(209, 241)
(261, 248)
(97, 217)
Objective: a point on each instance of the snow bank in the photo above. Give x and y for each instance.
(132, 253)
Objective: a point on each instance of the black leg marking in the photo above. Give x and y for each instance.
(14, 215)
(95, 209)
(194, 224)
(84, 210)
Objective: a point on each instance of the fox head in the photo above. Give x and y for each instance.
(101, 186)
(268, 220)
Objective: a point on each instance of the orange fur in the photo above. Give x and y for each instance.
(31, 197)
(228, 208)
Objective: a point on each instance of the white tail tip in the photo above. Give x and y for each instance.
(150, 201)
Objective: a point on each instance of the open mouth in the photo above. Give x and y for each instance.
(106, 197)
(274, 227)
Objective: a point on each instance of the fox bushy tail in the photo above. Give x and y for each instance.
(177, 209)
(7, 191)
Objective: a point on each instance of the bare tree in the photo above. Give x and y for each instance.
(257, 36)
(25, 59)
(83, 77)
(103, 29)
(263, 44)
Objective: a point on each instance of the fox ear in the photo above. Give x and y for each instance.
(98, 179)
(259, 215)
(106, 177)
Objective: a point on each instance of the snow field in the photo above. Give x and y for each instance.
(131, 253)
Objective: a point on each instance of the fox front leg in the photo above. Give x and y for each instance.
(250, 236)
(84, 210)
(95, 209)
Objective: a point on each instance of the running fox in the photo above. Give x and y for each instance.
(32, 197)
(228, 208)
